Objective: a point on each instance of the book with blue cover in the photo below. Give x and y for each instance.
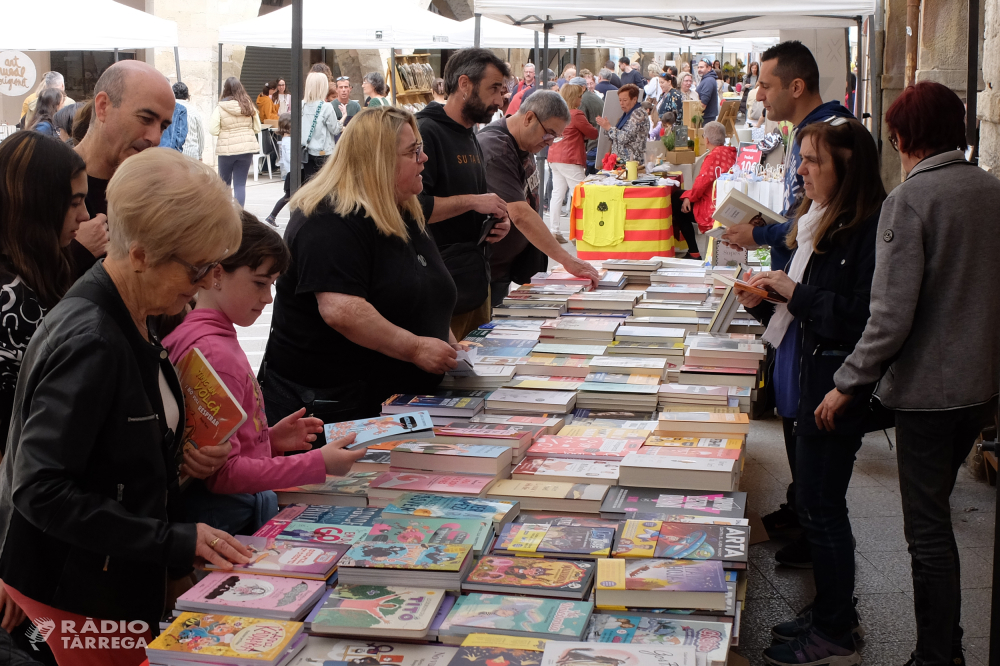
(410, 425)
(500, 512)
(531, 617)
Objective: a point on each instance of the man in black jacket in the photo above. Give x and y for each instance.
(455, 199)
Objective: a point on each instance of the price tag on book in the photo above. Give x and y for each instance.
(508, 642)
(528, 538)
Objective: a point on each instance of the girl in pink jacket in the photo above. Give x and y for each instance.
(239, 497)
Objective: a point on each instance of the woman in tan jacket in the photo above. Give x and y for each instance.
(236, 122)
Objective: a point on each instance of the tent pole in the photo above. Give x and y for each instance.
(296, 92)
(322, 55)
(545, 56)
(116, 54)
(392, 75)
(972, 136)
(539, 160)
(177, 64)
(220, 71)
(859, 93)
(579, 43)
(478, 40)
(876, 47)
(535, 55)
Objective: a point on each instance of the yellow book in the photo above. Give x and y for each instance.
(704, 442)
(528, 540)
(508, 642)
(228, 637)
(608, 433)
(638, 538)
(211, 413)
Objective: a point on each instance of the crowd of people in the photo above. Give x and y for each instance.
(120, 254)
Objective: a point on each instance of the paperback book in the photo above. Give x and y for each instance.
(370, 652)
(349, 490)
(477, 655)
(545, 496)
(709, 639)
(295, 559)
(585, 448)
(381, 611)
(215, 638)
(432, 531)
(531, 576)
(531, 617)
(652, 583)
(541, 539)
(391, 485)
(426, 505)
(657, 539)
(318, 513)
(566, 470)
(467, 458)
(442, 566)
(558, 653)
(623, 501)
(410, 425)
(261, 596)
(322, 533)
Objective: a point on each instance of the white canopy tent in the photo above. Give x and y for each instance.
(82, 25)
(347, 25)
(498, 35)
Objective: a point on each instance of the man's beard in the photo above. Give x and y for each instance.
(474, 111)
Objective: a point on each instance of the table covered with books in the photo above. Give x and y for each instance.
(621, 222)
(570, 497)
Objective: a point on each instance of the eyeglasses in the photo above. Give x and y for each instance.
(894, 142)
(415, 152)
(549, 135)
(196, 273)
(343, 78)
(836, 121)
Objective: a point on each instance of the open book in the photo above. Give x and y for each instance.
(739, 285)
(738, 208)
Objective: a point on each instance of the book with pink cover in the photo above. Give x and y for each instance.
(586, 448)
(260, 596)
(295, 559)
(452, 484)
(691, 452)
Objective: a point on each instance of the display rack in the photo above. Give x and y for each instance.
(407, 93)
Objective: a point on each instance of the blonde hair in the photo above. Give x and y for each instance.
(171, 205)
(572, 94)
(361, 174)
(317, 87)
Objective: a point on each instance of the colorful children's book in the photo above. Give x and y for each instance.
(376, 610)
(417, 556)
(653, 538)
(349, 490)
(320, 514)
(436, 405)
(216, 638)
(558, 653)
(410, 425)
(321, 533)
(709, 639)
(368, 651)
(393, 484)
(624, 502)
(295, 559)
(651, 583)
(492, 656)
(694, 442)
(432, 531)
(566, 470)
(531, 576)
(532, 617)
(566, 521)
(541, 539)
(584, 448)
(463, 458)
(426, 505)
(239, 592)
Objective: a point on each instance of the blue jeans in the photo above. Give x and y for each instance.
(823, 468)
(930, 448)
(239, 513)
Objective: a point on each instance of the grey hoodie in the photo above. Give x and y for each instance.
(935, 300)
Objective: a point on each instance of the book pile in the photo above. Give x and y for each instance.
(515, 436)
(584, 448)
(680, 276)
(629, 365)
(684, 541)
(212, 638)
(466, 457)
(659, 469)
(413, 564)
(613, 302)
(530, 299)
(702, 424)
(555, 541)
(698, 398)
(445, 407)
(594, 331)
(722, 350)
(349, 490)
(549, 496)
(559, 275)
(604, 390)
(575, 365)
(515, 401)
(531, 576)
(391, 485)
(379, 611)
(530, 617)
(696, 293)
(422, 505)
(613, 280)
(566, 470)
(637, 271)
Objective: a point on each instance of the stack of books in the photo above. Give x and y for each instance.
(629, 365)
(679, 276)
(560, 365)
(603, 302)
(685, 293)
(584, 448)
(517, 401)
(650, 334)
(559, 275)
(197, 638)
(604, 390)
(533, 308)
(391, 485)
(696, 398)
(533, 576)
(483, 376)
(421, 505)
(693, 447)
(702, 424)
(613, 280)
(539, 425)
(566, 470)
(724, 350)
(555, 541)
(375, 611)
(238, 593)
(467, 457)
(637, 271)
(657, 470)
(545, 383)
(580, 330)
(443, 407)
(661, 583)
(549, 496)
(710, 640)
(286, 558)
(516, 437)
(675, 505)
(318, 514)
(684, 541)
(530, 617)
(433, 531)
(349, 490)
(416, 565)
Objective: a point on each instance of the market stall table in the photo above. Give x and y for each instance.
(648, 228)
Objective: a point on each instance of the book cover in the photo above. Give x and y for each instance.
(691, 452)
(443, 449)
(320, 514)
(661, 575)
(558, 653)
(276, 557)
(381, 428)
(709, 639)
(322, 533)
(584, 471)
(547, 539)
(638, 538)
(581, 324)
(610, 432)
(694, 442)
(432, 483)
(496, 656)
(704, 417)
(413, 556)
(624, 500)
(438, 506)
(536, 398)
(613, 378)
(211, 413)
(529, 616)
(369, 651)
(637, 362)
(532, 573)
(726, 543)
(545, 383)
(429, 531)
(228, 636)
(567, 521)
(607, 387)
(513, 431)
(354, 483)
(565, 348)
(559, 446)
(546, 490)
(240, 592)
(377, 607)
(679, 463)
(444, 404)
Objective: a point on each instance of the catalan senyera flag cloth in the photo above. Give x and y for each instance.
(648, 225)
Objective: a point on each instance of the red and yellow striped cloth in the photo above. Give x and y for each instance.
(648, 225)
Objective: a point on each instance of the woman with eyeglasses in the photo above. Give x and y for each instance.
(628, 136)
(282, 99)
(815, 315)
(364, 309)
(89, 482)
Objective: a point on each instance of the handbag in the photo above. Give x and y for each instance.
(304, 150)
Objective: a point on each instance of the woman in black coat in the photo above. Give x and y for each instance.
(827, 288)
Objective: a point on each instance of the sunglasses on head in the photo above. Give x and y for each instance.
(343, 78)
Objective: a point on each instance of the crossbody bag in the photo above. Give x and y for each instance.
(304, 150)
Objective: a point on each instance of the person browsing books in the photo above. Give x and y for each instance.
(931, 342)
(826, 290)
(238, 497)
(628, 136)
(364, 309)
(89, 483)
(701, 197)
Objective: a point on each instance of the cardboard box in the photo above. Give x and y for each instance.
(680, 156)
(691, 108)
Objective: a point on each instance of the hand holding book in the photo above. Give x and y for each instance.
(203, 462)
(774, 282)
(433, 355)
(338, 458)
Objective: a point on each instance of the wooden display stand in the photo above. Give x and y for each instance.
(727, 115)
(406, 95)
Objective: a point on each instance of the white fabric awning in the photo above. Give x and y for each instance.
(498, 35)
(350, 25)
(82, 25)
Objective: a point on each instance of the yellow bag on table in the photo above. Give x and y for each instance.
(604, 215)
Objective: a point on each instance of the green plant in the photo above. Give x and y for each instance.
(696, 120)
(763, 255)
(691, 144)
(669, 141)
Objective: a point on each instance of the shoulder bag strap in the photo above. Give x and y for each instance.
(315, 118)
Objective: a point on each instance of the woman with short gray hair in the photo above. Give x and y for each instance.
(374, 88)
(720, 158)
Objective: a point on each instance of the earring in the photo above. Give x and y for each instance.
(217, 285)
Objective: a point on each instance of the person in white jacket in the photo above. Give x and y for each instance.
(320, 126)
(236, 123)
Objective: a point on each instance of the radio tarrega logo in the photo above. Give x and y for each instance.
(39, 631)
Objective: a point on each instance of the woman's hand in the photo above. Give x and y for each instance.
(603, 122)
(434, 356)
(776, 281)
(685, 205)
(206, 461)
(740, 236)
(295, 432)
(219, 548)
(13, 616)
(833, 404)
(339, 459)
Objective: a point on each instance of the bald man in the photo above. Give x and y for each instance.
(133, 104)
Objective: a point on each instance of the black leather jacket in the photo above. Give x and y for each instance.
(91, 473)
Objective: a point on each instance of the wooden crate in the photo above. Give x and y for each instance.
(407, 94)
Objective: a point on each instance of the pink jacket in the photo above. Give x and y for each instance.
(252, 466)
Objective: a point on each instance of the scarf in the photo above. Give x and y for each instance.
(625, 116)
(782, 318)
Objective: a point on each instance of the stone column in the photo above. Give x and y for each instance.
(893, 61)
(988, 109)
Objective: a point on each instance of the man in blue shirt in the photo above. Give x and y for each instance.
(708, 91)
(604, 84)
(789, 89)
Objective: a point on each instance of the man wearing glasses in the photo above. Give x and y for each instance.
(509, 146)
(344, 106)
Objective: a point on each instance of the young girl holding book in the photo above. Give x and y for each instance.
(239, 496)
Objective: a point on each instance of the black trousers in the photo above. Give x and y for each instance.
(930, 448)
(787, 428)
(683, 222)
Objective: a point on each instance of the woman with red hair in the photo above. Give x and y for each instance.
(931, 341)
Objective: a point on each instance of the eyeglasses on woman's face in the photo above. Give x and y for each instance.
(414, 152)
(195, 273)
